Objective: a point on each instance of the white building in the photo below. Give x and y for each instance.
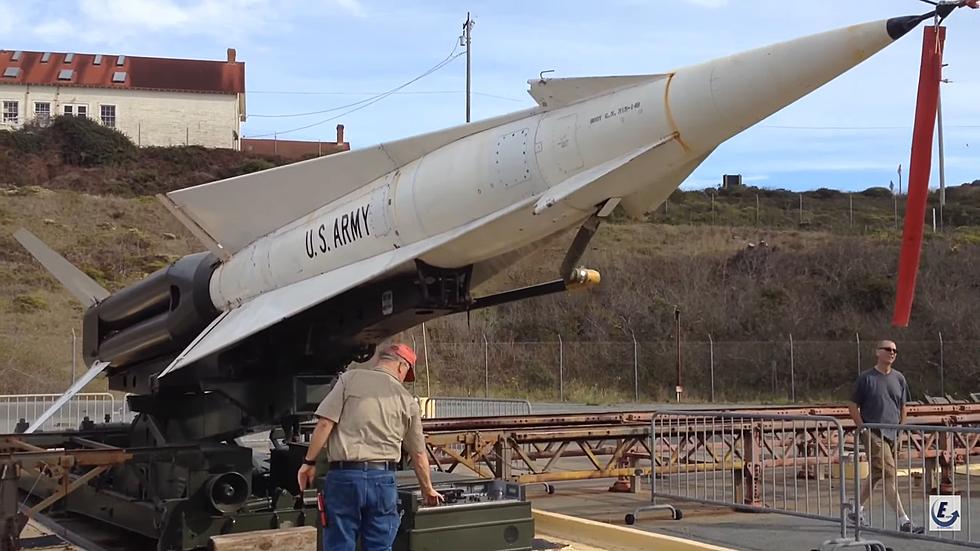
(154, 101)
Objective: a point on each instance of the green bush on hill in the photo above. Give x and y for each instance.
(878, 192)
(27, 140)
(84, 142)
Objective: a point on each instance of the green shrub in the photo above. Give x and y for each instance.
(870, 293)
(249, 166)
(825, 193)
(85, 142)
(877, 192)
(29, 139)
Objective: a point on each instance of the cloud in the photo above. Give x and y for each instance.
(54, 30)
(118, 21)
(9, 20)
(121, 23)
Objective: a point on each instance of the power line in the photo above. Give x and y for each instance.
(406, 93)
(369, 101)
(374, 94)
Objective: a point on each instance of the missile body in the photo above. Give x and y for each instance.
(689, 111)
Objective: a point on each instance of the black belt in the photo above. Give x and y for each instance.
(364, 465)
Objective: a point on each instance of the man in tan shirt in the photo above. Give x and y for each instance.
(364, 421)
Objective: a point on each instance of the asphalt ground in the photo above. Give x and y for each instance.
(709, 524)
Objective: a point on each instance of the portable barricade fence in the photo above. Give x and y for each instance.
(929, 471)
(441, 407)
(19, 410)
(785, 464)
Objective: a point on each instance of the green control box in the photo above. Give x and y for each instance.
(478, 515)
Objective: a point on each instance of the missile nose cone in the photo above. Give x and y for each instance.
(714, 101)
(900, 26)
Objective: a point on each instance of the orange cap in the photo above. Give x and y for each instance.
(404, 352)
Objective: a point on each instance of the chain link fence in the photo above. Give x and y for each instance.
(709, 370)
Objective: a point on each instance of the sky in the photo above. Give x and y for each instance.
(308, 59)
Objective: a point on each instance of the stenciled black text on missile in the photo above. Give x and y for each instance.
(347, 228)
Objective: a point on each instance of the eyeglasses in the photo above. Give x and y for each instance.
(892, 350)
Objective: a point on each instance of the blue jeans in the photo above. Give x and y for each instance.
(360, 504)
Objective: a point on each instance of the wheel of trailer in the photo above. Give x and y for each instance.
(678, 514)
(630, 519)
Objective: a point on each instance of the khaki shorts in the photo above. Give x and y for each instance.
(881, 456)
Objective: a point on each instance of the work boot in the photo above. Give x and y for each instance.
(910, 528)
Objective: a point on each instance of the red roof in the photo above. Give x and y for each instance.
(135, 73)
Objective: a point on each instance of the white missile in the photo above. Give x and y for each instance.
(471, 198)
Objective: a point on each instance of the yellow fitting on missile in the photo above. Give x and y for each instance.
(581, 278)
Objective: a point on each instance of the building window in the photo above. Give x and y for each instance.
(42, 113)
(11, 112)
(75, 110)
(108, 115)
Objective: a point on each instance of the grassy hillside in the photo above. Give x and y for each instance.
(749, 287)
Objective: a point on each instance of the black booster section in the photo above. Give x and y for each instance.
(159, 315)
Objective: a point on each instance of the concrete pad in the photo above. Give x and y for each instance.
(610, 537)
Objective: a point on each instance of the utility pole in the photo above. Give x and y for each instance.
(899, 179)
(942, 156)
(467, 34)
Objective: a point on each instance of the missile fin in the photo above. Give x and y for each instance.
(645, 200)
(84, 288)
(568, 187)
(76, 387)
(559, 92)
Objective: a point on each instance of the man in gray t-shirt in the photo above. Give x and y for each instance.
(880, 396)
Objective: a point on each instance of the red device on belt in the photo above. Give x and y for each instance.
(323, 509)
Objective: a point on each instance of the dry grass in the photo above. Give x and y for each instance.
(117, 241)
(815, 285)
